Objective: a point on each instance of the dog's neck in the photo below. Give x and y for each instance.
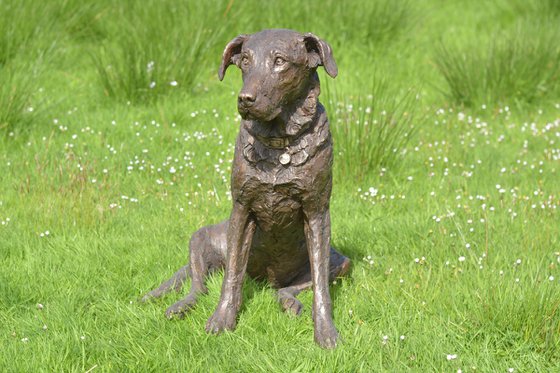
(292, 121)
(303, 112)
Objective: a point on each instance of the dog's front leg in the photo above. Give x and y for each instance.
(239, 236)
(318, 235)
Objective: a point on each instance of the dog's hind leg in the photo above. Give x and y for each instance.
(175, 283)
(207, 253)
(287, 296)
(339, 265)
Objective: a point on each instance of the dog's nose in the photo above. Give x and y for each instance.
(246, 98)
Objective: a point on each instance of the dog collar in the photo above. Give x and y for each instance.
(274, 142)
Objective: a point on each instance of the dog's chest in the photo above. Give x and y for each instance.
(276, 202)
(273, 187)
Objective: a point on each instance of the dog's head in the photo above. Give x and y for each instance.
(278, 67)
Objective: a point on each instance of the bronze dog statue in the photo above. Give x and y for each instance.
(279, 228)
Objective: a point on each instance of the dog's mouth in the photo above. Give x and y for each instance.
(251, 113)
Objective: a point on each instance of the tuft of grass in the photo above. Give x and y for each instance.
(25, 28)
(17, 85)
(372, 131)
(83, 21)
(27, 36)
(520, 65)
(380, 22)
(17, 26)
(158, 49)
(539, 8)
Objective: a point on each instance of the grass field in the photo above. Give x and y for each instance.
(115, 145)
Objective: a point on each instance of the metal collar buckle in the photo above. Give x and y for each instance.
(275, 142)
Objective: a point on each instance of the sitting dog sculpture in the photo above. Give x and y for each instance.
(279, 229)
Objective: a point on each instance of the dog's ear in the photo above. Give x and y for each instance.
(231, 52)
(319, 54)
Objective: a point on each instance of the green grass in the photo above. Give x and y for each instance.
(518, 66)
(159, 47)
(371, 131)
(454, 237)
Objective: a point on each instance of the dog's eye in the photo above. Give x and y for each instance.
(279, 61)
(245, 60)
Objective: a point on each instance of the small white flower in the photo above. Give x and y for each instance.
(152, 85)
(461, 258)
(551, 278)
(402, 337)
(451, 357)
(173, 83)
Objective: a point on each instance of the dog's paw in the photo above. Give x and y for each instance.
(150, 296)
(180, 308)
(291, 305)
(221, 321)
(326, 335)
(147, 298)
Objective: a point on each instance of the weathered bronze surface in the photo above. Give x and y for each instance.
(279, 229)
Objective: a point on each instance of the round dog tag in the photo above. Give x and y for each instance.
(285, 158)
